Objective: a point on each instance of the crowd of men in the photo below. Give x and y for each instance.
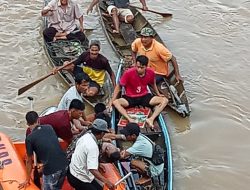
(89, 136)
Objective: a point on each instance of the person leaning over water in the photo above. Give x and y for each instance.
(62, 16)
(94, 65)
(119, 11)
(156, 52)
(83, 168)
(53, 158)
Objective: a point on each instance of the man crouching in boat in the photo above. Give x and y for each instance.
(135, 82)
(54, 159)
(95, 66)
(142, 163)
(157, 54)
(62, 15)
(119, 11)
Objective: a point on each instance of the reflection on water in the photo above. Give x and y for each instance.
(210, 40)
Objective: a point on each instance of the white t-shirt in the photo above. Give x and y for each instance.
(85, 158)
(68, 97)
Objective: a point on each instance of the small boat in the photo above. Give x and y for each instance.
(13, 170)
(67, 50)
(159, 135)
(121, 44)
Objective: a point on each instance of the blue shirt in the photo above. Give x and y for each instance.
(142, 147)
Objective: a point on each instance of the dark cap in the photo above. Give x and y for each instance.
(130, 129)
(95, 43)
(100, 125)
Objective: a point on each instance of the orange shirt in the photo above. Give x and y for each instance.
(157, 54)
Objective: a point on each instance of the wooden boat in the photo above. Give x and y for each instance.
(13, 170)
(159, 136)
(121, 43)
(67, 50)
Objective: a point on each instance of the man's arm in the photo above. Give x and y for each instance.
(112, 76)
(176, 69)
(115, 94)
(28, 171)
(99, 176)
(92, 4)
(154, 86)
(134, 57)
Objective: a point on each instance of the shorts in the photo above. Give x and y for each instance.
(124, 12)
(139, 101)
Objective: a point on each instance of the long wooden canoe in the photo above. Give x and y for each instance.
(159, 136)
(66, 50)
(121, 43)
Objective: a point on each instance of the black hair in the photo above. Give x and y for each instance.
(95, 131)
(80, 77)
(31, 117)
(99, 107)
(105, 117)
(114, 156)
(95, 43)
(142, 59)
(76, 104)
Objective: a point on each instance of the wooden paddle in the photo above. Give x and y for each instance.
(27, 87)
(162, 14)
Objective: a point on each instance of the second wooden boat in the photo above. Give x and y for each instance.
(121, 43)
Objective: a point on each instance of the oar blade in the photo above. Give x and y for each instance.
(27, 87)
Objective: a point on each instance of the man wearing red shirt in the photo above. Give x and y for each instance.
(135, 82)
(61, 120)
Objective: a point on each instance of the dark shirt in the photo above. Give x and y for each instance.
(100, 63)
(60, 122)
(43, 141)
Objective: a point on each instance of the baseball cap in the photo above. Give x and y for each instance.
(130, 129)
(147, 32)
(100, 125)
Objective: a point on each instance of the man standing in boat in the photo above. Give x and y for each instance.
(95, 66)
(157, 54)
(62, 16)
(53, 158)
(119, 11)
(135, 82)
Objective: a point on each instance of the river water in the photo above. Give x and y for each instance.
(210, 40)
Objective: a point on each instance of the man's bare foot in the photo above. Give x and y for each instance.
(115, 32)
(150, 123)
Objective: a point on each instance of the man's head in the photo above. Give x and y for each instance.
(99, 107)
(94, 48)
(147, 36)
(82, 82)
(31, 118)
(76, 108)
(141, 64)
(131, 131)
(99, 128)
(64, 2)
